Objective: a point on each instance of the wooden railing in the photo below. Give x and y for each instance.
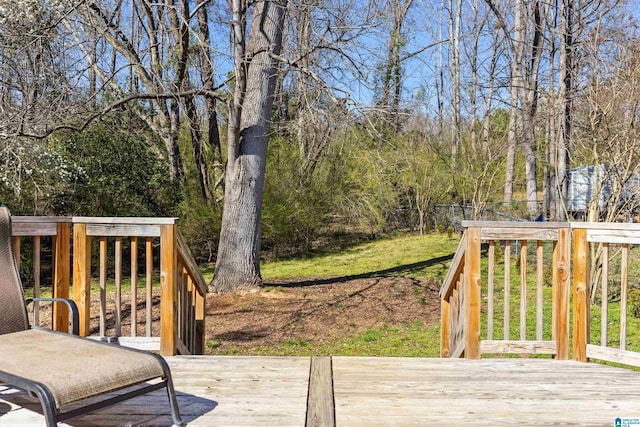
(603, 258)
(168, 315)
(461, 296)
(469, 290)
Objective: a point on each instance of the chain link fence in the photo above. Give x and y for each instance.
(445, 215)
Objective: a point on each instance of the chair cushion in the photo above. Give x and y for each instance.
(74, 368)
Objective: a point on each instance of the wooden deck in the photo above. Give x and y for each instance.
(273, 391)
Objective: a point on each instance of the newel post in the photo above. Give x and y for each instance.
(61, 275)
(580, 295)
(168, 289)
(560, 290)
(82, 275)
(472, 294)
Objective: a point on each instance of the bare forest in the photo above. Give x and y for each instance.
(271, 127)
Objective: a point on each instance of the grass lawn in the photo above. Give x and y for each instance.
(423, 257)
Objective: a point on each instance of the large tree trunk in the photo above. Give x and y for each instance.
(238, 262)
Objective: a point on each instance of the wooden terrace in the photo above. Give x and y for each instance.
(360, 391)
(548, 336)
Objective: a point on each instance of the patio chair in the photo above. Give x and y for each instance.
(67, 373)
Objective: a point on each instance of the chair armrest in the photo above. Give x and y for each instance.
(75, 317)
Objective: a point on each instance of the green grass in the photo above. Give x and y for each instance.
(425, 256)
(407, 340)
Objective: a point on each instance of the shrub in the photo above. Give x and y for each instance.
(497, 253)
(634, 303)
(121, 175)
(450, 232)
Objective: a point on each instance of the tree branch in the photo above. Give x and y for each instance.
(117, 104)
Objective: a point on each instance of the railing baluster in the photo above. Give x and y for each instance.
(490, 284)
(180, 307)
(149, 284)
(61, 275)
(604, 313)
(523, 290)
(187, 316)
(185, 308)
(445, 327)
(190, 313)
(201, 307)
(507, 288)
(624, 273)
(455, 318)
(539, 284)
(103, 286)
(118, 282)
(82, 275)
(36, 279)
(134, 285)
(190, 317)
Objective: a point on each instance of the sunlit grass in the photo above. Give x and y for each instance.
(406, 340)
(425, 256)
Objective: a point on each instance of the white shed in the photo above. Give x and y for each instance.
(599, 181)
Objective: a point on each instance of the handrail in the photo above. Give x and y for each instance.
(590, 259)
(457, 264)
(185, 253)
(182, 287)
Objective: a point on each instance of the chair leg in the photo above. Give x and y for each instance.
(173, 402)
(171, 393)
(48, 404)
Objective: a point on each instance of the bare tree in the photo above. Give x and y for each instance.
(455, 18)
(566, 84)
(397, 11)
(238, 262)
(529, 31)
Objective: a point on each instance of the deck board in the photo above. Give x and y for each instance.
(374, 392)
(272, 391)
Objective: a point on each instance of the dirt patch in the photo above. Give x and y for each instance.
(316, 312)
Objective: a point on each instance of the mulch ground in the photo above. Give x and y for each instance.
(317, 312)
